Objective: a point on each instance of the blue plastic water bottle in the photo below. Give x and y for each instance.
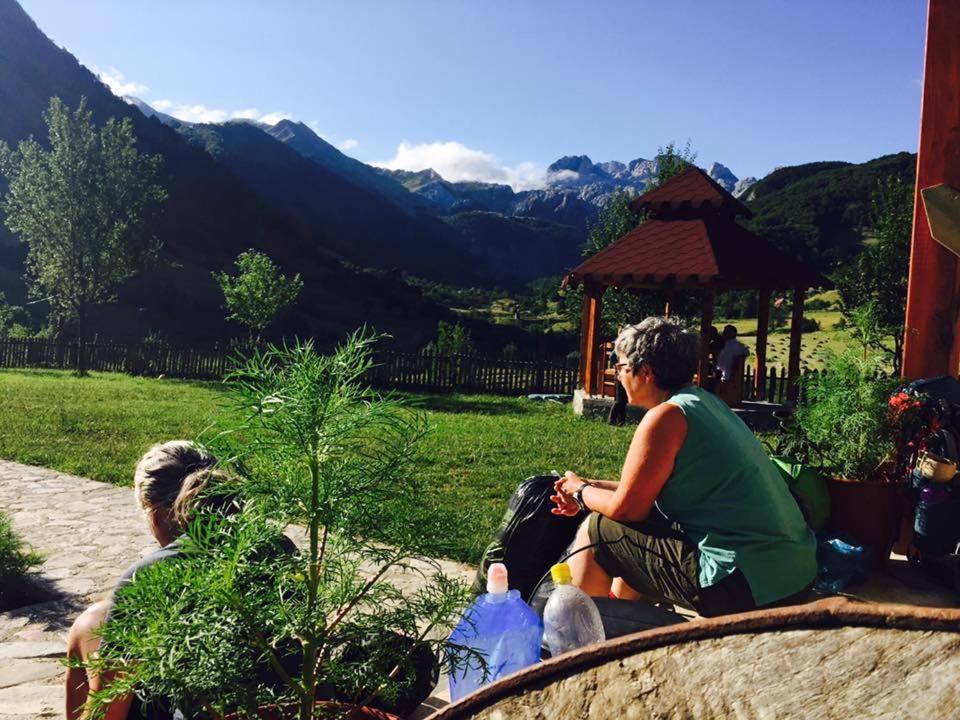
(499, 626)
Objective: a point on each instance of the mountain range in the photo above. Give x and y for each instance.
(575, 187)
(353, 230)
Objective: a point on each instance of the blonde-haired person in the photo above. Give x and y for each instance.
(169, 484)
(700, 516)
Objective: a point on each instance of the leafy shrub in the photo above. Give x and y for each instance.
(452, 339)
(843, 422)
(817, 304)
(234, 621)
(15, 560)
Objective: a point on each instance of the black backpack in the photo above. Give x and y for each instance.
(530, 538)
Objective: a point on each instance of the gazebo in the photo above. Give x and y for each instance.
(691, 241)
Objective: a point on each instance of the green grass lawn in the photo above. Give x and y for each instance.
(96, 426)
(480, 447)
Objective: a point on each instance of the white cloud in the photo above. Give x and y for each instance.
(349, 144)
(191, 113)
(559, 176)
(248, 114)
(204, 114)
(118, 83)
(458, 163)
(273, 118)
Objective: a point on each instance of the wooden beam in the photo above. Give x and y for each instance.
(668, 303)
(590, 337)
(931, 344)
(763, 326)
(796, 335)
(706, 321)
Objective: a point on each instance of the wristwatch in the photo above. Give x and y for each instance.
(578, 496)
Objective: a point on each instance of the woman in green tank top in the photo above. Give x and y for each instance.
(700, 516)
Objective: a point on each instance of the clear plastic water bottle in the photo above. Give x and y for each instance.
(571, 619)
(500, 627)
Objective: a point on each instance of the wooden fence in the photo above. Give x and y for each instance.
(427, 372)
(473, 373)
(774, 388)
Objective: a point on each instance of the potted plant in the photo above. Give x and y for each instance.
(845, 426)
(236, 627)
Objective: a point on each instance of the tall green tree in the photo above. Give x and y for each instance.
(258, 292)
(873, 289)
(83, 208)
(671, 160)
(452, 339)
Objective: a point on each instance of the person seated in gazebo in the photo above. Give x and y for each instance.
(731, 352)
(700, 516)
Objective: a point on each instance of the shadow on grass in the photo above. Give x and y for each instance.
(477, 405)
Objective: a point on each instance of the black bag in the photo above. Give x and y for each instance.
(530, 538)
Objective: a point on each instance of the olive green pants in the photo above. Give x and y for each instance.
(657, 559)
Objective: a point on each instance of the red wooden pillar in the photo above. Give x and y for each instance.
(763, 326)
(590, 336)
(931, 343)
(796, 334)
(705, 372)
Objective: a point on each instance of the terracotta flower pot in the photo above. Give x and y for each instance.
(347, 712)
(868, 512)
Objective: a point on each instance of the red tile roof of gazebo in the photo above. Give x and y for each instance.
(693, 189)
(694, 251)
(693, 239)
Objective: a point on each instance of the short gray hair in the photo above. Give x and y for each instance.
(671, 352)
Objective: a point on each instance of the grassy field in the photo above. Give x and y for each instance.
(479, 449)
(815, 346)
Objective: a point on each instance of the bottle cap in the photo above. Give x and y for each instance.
(497, 579)
(561, 574)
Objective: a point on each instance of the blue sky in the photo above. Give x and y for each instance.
(498, 89)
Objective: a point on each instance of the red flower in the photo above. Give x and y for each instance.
(901, 402)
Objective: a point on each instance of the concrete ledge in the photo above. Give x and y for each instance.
(595, 407)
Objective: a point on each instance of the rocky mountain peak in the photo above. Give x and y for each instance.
(743, 186)
(722, 175)
(580, 164)
(149, 111)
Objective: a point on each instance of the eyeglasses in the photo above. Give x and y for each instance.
(617, 366)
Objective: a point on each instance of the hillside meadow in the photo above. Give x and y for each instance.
(479, 448)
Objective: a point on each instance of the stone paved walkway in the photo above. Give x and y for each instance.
(88, 532)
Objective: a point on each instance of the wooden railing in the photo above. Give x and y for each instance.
(473, 373)
(774, 387)
(428, 372)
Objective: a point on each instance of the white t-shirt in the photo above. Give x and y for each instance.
(732, 350)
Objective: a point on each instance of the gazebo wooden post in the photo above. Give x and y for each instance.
(668, 303)
(590, 335)
(706, 321)
(931, 344)
(763, 326)
(796, 333)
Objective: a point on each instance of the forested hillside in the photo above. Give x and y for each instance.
(819, 211)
